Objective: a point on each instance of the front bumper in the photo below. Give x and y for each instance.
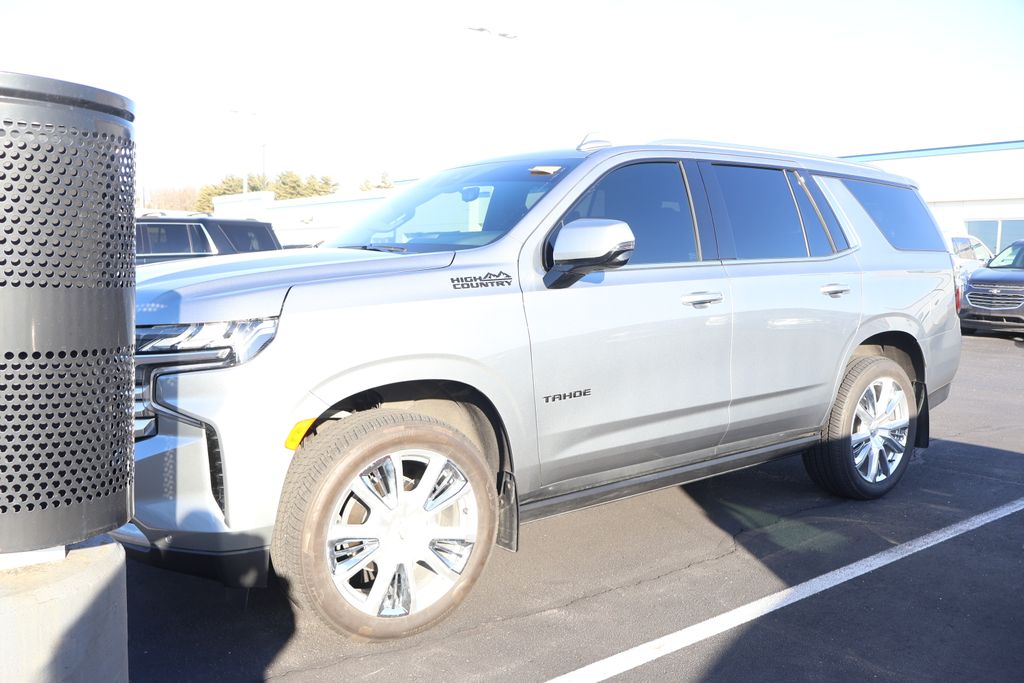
(209, 465)
(993, 307)
(246, 568)
(993, 321)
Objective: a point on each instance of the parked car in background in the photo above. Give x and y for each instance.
(994, 294)
(521, 337)
(969, 254)
(161, 238)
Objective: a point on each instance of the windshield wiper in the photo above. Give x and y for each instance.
(377, 247)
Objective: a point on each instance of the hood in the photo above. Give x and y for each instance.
(253, 285)
(997, 276)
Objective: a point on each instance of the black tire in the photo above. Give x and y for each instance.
(324, 465)
(832, 464)
(967, 331)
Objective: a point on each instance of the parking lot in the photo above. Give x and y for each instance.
(592, 584)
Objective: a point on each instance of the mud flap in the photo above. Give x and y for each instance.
(508, 512)
(922, 437)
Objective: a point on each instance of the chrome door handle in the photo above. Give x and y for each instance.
(835, 291)
(702, 299)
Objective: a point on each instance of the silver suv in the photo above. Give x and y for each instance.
(517, 338)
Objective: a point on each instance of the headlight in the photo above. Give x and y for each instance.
(238, 340)
(162, 349)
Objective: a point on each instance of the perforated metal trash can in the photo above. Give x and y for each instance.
(67, 294)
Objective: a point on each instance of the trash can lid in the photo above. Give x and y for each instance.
(41, 89)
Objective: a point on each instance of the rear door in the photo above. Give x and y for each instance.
(631, 366)
(797, 296)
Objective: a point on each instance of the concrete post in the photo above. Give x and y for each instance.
(66, 620)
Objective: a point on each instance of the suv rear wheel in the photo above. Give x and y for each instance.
(385, 522)
(869, 438)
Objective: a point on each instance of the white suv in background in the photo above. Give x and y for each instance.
(969, 254)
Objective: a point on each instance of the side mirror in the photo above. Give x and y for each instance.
(587, 245)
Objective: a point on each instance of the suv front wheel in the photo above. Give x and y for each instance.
(385, 522)
(869, 438)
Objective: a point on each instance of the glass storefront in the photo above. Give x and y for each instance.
(997, 234)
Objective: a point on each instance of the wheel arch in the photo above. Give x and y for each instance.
(899, 346)
(464, 407)
(903, 348)
(459, 404)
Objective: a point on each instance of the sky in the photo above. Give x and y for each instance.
(353, 90)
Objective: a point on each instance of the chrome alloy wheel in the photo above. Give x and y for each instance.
(402, 534)
(878, 436)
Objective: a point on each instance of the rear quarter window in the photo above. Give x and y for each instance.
(899, 213)
(254, 237)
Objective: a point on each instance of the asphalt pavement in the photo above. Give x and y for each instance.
(591, 584)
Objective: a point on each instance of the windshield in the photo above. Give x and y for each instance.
(1011, 257)
(457, 209)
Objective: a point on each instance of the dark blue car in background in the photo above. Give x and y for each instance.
(162, 238)
(994, 295)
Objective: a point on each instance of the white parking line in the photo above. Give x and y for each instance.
(673, 642)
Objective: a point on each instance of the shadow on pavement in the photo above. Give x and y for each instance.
(936, 615)
(195, 629)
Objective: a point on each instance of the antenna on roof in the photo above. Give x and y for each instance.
(590, 142)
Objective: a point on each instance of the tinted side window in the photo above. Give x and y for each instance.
(899, 213)
(652, 199)
(249, 237)
(140, 240)
(760, 212)
(962, 247)
(200, 245)
(167, 238)
(817, 238)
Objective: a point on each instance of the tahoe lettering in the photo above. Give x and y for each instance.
(579, 393)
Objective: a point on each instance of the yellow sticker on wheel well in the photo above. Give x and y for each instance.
(298, 432)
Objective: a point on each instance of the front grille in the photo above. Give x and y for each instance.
(146, 368)
(996, 298)
(145, 418)
(216, 466)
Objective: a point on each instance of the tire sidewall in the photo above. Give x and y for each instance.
(313, 564)
(882, 367)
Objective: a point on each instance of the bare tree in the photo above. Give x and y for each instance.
(173, 198)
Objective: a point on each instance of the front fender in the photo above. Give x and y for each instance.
(519, 423)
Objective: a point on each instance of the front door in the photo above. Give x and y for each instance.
(631, 366)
